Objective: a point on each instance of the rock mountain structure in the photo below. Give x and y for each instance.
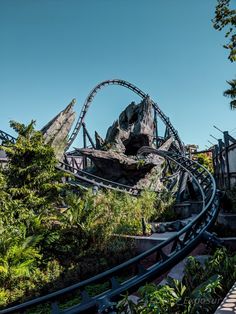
(56, 131)
(116, 157)
(133, 129)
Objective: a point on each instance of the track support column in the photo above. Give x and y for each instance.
(156, 127)
(85, 146)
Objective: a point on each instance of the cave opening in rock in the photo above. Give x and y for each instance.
(134, 143)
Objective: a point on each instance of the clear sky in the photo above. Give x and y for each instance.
(56, 50)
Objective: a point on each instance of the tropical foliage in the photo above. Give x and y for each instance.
(202, 289)
(231, 93)
(52, 236)
(206, 161)
(225, 18)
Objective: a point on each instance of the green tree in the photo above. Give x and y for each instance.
(231, 93)
(225, 18)
(31, 177)
(206, 161)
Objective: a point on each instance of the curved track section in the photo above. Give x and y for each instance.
(168, 253)
(134, 89)
(6, 138)
(83, 178)
(86, 179)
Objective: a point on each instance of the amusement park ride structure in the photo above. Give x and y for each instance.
(168, 253)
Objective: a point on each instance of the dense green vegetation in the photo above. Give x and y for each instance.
(225, 18)
(206, 161)
(53, 236)
(202, 289)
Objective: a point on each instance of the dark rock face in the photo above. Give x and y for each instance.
(117, 166)
(99, 141)
(115, 158)
(133, 129)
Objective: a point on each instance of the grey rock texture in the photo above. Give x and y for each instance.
(56, 131)
(152, 180)
(99, 141)
(116, 158)
(117, 166)
(133, 129)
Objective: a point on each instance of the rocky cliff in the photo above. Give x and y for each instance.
(115, 158)
(56, 131)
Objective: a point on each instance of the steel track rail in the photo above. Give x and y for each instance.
(168, 252)
(83, 177)
(134, 89)
(6, 138)
(93, 180)
(86, 179)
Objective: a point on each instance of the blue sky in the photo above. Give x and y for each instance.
(56, 50)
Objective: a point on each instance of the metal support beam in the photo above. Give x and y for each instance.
(227, 140)
(221, 161)
(215, 153)
(85, 146)
(88, 136)
(167, 131)
(156, 128)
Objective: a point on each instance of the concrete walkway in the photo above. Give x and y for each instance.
(228, 305)
(177, 272)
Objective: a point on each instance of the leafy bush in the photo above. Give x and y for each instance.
(206, 161)
(129, 211)
(164, 207)
(31, 178)
(202, 289)
(43, 248)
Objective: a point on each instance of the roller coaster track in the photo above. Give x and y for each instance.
(6, 138)
(85, 178)
(168, 253)
(133, 88)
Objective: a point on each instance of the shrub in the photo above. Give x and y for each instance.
(164, 207)
(202, 288)
(206, 161)
(43, 248)
(31, 177)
